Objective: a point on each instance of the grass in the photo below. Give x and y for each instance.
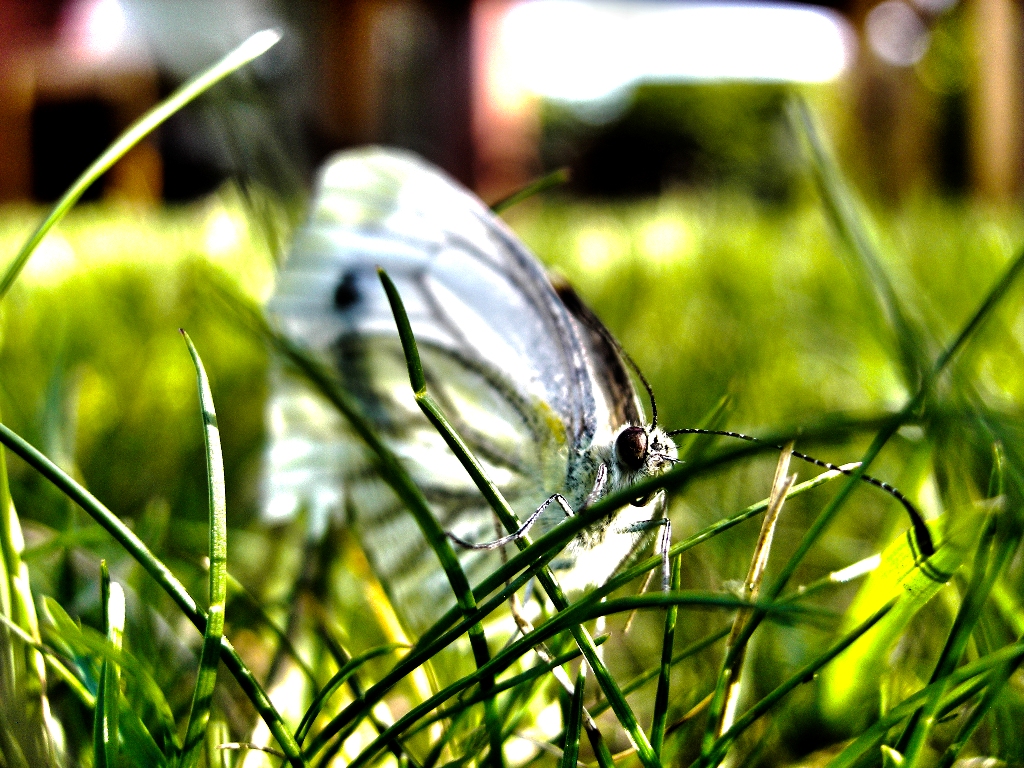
(885, 335)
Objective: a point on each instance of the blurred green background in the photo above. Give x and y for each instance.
(714, 294)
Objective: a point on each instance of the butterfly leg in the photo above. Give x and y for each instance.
(595, 493)
(516, 606)
(545, 655)
(661, 548)
(599, 484)
(523, 529)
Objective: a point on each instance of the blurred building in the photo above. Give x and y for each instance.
(75, 73)
(934, 86)
(62, 101)
(929, 91)
(939, 94)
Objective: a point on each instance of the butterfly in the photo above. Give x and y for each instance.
(530, 378)
(527, 374)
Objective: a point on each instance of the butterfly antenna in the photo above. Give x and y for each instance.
(924, 539)
(644, 381)
(636, 368)
(577, 307)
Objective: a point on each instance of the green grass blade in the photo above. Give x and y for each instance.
(602, 752)
(22, 677)
(571, 747)
(871, 739)
(575, 614)
(988, 566)
(920, 725)
(99, 720)
(963, 684)
(511, 523)
(412, 353)
(424, 649)
(206, 680)
(84, 646)
(718, 751)
(900, 574)
(992, 299)
(106, 730)
(349, 718)
(476, 633)
(162, 575)
(438, 746)
(216, 734)
(851, 222)
(65, 540)
(994, 686)
(891, 758)
(55, 662)
(138, 747)
(508, 684)
(254, 46)
(338, 680)
(660, 717)
(642, 679)
(544, 183)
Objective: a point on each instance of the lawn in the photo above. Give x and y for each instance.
(885, 334)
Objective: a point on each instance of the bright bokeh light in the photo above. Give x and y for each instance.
(860, 568)
(573, 50)
(53, 259)
(664, 238)
(95, 28)
(600, 245)
(896, 33)
(935, 7)
(222, 233)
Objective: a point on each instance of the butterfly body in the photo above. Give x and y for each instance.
(526, 374)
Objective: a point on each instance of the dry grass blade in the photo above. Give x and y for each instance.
(752, 586)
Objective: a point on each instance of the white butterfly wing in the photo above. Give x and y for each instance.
(526, 379)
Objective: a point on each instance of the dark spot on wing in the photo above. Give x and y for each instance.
(346, 294)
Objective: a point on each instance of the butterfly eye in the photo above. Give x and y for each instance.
(631, 447)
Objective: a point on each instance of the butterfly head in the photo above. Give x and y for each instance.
(643, 451)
